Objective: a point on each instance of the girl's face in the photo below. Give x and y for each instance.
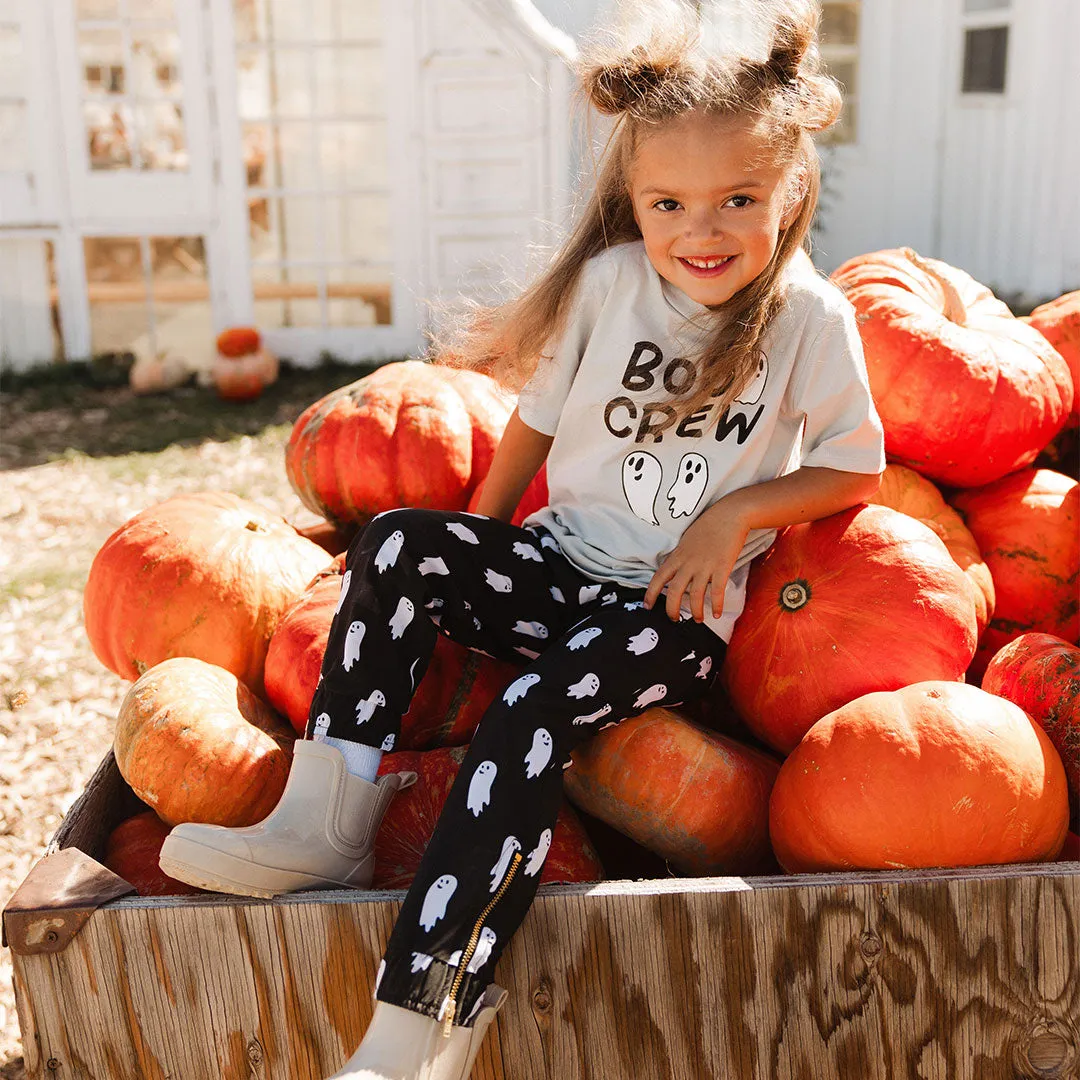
(709, 201)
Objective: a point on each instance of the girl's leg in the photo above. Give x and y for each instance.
(482, 866)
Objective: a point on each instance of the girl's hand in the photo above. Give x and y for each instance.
(702, 560)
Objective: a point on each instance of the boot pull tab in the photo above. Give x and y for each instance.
(407, 779)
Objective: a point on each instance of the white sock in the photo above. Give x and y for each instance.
(360, 760)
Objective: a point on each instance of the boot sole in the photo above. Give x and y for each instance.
(207, 868)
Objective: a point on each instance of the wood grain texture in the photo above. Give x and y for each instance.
(971, 975)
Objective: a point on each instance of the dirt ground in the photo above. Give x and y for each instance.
(76, 461)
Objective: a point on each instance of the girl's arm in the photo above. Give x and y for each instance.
(517, 460)
(705, 556)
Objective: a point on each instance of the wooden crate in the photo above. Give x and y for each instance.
(936, 975)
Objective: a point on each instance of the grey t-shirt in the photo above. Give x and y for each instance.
(624, 479)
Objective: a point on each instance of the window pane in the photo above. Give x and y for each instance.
(253, 83)
(119, 306)
(183, 320)
(97, 9)
(353, 155)
(102, 55)
(349, 81)
(360, 19)
(108, 132)
(358, 227)
(11, 62)
(299, 20)
(286, 296)
(284, 228)
(985, 52)
(844, 72)
(151, 9)
(162, 144)
(155, 64)
(358, 295)
(840, 24)
(291, 83)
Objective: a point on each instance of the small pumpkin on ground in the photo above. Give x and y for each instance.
(243, 367)
(411, 817)
(905, 490)
(1026, 526)
(697, 798)
(195, 744)
(132, 851)
(1041, 674)
(408, 434)
(934, 774)
(966, 392)
(867, 599)
(206, 575)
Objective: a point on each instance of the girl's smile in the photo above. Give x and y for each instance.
(710, 202)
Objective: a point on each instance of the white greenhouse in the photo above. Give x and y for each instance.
(325, 169)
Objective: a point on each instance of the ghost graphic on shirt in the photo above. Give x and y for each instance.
(527, 551)
(436, 899)
(481, 954)
(704, 669)
(432, 564)
(539, 754)
(642, 475)
(689, 486)
(462, 532)
(656, 692)
(751, 393)
(353, 636)
(345, 579)
(322, 726)
(582, 638)
(480, 787)
(388, 743)
(388, 553)
(585, 687)
(365, 707)
(538, 854)
(644, 642)
(499, 582)
(520, 687)
(403, 615)
(498, 871)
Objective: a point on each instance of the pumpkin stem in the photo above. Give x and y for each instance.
(955, 309)
(254, 526)
(795, 594)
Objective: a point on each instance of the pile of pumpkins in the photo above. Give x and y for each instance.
(901, 690)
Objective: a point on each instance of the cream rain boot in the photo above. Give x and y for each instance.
(404, 1045)
(319, 836)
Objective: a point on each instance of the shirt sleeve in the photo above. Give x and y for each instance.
(542, 398)
(831, 390)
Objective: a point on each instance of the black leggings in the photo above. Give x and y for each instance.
(593, 656)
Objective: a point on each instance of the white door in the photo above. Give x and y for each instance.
(133, 93)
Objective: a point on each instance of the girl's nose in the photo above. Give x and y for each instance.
(703, 224)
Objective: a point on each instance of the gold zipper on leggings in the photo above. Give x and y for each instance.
(474, 939)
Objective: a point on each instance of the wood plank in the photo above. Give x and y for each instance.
(974, 974)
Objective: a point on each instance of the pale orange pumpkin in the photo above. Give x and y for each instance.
(933, 774)
(206, 575)
(966, 392)
(195, 744)
(243, 367)
(905, 490)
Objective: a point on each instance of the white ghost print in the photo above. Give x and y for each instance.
(691, 655)
(434, 604)
(589, 592)
(477, 623)
(532, 654)
(345, 579)
(751, 393)
(644, 642)
(608, 598)
(520, 687)
(480, 787)
(539, 754)
(498, 871)
(388, 743)
(438, 896)
(353, 636)
(365, 707)
(690, 483)
(585, 687)
(550, 542)
(642, 476)
(499, 582)
(656, 692)
(531, 629)
(556, 595)
(462, 532)
(591, 718)
(482, 952)
(634, 605)
(527, 551)
(403, 615)
(322, 726)
(378, 978)
(420, 962)
(432, 565)
(704, 669)
(412, 669)
(582, 638)
(538, 854)
(388, 553)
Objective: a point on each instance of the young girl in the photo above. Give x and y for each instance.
(693, 386)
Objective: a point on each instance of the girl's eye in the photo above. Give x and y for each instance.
(740, 201)
(666, 205)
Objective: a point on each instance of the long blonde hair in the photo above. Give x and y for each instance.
(655, 69)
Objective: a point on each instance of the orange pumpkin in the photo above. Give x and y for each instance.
(934, 774)
(1041, 674)
(905, 490)
(697, 798)
(409, 434)
(238, 341)
(868, 599)
(132, 851)
(243, 366)
(411, 818)
(196, 744)
(1026, 527)
(206, 575)
(1059, 322)
(452, 696)
(966, 391)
